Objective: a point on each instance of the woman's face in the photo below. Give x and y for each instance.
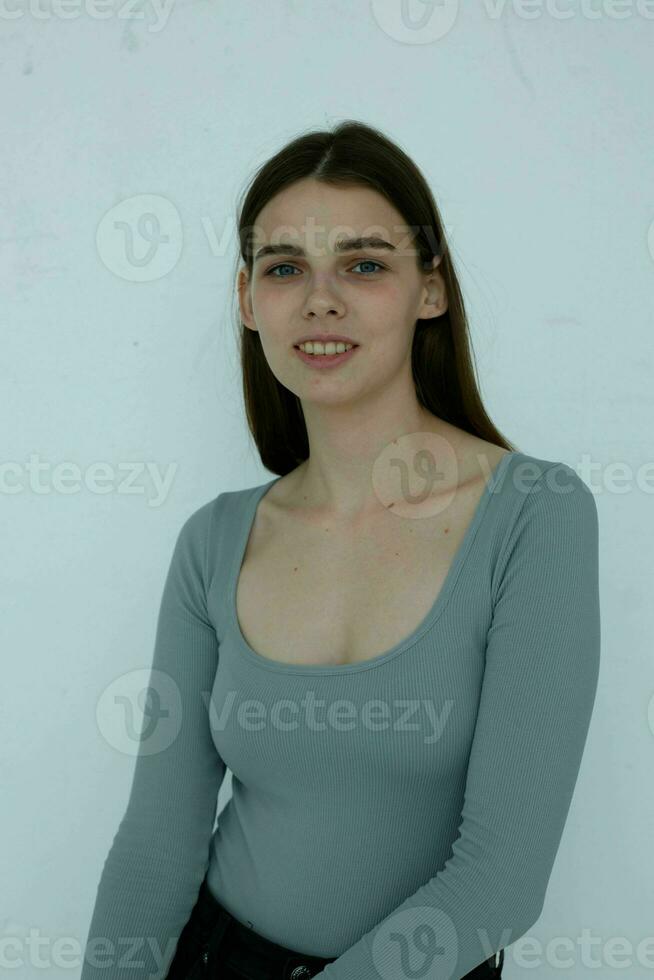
(372, 295)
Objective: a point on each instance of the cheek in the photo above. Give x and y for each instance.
(394, 319)
(270, 304)
(391, 300)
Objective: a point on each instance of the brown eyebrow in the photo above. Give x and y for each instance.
(343, 245)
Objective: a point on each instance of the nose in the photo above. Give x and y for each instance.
(323, 301)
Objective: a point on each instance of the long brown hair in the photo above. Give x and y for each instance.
(354, 153)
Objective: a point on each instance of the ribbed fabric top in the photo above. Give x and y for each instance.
(402, 814)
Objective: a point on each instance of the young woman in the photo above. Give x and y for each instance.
(393, 644)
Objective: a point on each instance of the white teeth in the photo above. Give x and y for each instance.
(330, 347)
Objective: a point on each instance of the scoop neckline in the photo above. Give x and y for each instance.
(252, 502)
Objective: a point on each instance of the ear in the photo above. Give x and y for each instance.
(435, 293)
(244, 301)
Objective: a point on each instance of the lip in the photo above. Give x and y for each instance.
(322, 362)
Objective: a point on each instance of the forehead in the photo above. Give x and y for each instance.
(317, 215)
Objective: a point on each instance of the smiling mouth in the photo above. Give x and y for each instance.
(347, 347)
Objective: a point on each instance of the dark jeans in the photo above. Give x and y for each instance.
(214, 945)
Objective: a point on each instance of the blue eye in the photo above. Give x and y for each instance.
(284, 265)
(369, 262)
(288, 265)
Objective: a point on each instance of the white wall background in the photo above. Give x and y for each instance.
(533, 125)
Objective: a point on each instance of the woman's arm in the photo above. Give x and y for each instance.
(152, 874)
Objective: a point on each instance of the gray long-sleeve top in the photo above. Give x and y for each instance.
(403, 813)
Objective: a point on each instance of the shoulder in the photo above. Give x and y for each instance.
(196, 525)
(553, 518)
(550, 488)
(530, 485)
(215, 523)
(200, 521)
